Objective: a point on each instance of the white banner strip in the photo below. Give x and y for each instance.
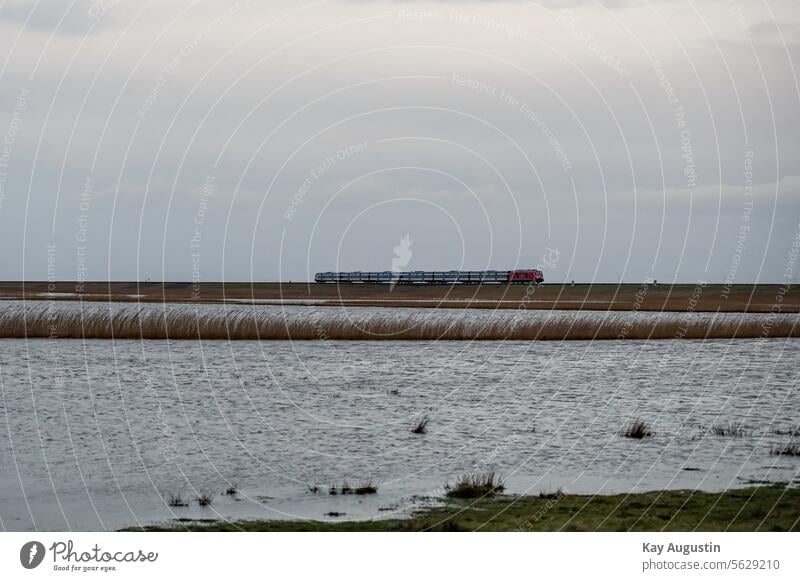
(354, 556)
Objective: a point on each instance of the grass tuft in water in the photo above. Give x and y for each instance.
(792, 431)
(205, 499)
(176, 500)
(730, 430)
(475, 486)
(346, 488)
(421, 427)
(638, 430)
(367, 488)
(790, 449)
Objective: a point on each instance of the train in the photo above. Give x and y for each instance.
(527, 276)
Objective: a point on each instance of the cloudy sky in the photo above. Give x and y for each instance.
(602, 141)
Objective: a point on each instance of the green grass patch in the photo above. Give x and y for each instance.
(765, 508)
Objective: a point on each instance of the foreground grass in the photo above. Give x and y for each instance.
(767, 508)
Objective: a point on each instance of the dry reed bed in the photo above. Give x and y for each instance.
(124, 321)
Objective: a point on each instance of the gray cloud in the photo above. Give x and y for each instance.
(78, 17)
(487, 147)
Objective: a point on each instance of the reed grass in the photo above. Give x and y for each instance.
(205, 499)
(177, 500)
(637, 430)
(366, 488)
(730, 430)
(475, 486)
(793, 431)
(421, 426)
(174, 321)
(789, 449)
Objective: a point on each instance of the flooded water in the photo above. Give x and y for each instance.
(97, 434)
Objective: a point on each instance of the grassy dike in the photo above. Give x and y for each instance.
(764, 508)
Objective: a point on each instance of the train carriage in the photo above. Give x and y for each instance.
(419, 277)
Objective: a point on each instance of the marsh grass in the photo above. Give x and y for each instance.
(177, 500)
(475, 486)
(346, 488)
(421, 427)
(205, 499)
(637, 430)
(789, 449)
(792, 431)
(179, 322)
(366, 488)
(552, 495)
(730, 430)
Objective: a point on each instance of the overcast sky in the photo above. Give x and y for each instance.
(269, 140)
